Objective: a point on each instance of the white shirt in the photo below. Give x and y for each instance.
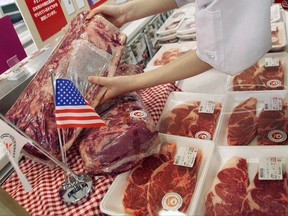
(232, 34)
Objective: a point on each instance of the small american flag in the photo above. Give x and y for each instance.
(72, 110)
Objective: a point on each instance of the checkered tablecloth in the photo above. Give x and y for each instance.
(44, 200)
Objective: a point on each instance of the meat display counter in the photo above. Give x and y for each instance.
(11, 88)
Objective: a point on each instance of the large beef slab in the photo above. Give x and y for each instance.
(33, 112)
(130, 134)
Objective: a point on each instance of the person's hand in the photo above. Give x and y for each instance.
(114, 86)
(114, 13)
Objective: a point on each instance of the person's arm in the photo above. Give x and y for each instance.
(185, 66)
(132, 10)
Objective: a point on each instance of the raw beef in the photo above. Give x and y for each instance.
(227, 194)
(242, 123)
(126, 140)
(270, 78)
(135, 194)
(168, 56)
(245, 81)
(33, 112)
(272, 127)
(268, 197)
(170, 178)
(186, 120)
(172, 122)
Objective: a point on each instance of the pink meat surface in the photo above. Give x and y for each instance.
(245, 81)
(170, 178)
(227, 194)
(135, 195)
(186, 120)
(268, 197)
(270, 78)
(242, 123)
(272, 127)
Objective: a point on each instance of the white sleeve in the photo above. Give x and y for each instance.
(181, 3)
(232, 35)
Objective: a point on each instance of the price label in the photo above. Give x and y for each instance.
(270, 168)
(272, 62)
(186, 156)
(273, 103)
(207, 106)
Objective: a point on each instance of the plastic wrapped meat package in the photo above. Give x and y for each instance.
(187, 29)
(269, 73)
(150, 192)
(191, 115)
(257, 175)
(130, 134)
(167, 32)
(279, 40)
(275, 13)
(170, 52)
(253, 119)
(33, 112)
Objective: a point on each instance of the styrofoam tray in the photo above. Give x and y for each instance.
(167, 37)
(252, 155)
(176, 98)
(281, 36)
(187, 36)
(166, 47)
(173, 22)
(282, 56)
(232, 100)
(275, 15)
(187, 27)
(111, 204)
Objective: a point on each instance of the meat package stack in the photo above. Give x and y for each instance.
(249, 173)
(179, 25)
(85, 43)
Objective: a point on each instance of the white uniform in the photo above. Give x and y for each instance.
(232, 34)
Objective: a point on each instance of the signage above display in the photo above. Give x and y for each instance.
(46, 18)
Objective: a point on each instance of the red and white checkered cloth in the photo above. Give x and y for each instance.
(46, 182)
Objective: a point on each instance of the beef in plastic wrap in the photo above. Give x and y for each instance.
(130, 134)
(33, 112)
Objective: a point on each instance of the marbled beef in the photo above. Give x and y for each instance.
(128, 137)
(242, 123)
(135, 194)
(33, 112)
(228, 192)
(186, 120)
(268, 197)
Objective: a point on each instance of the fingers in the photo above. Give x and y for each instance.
(96, 80)
(92, 13)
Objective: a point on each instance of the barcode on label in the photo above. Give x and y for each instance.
(207, 106)
(261, 172)
(185, 156)
(270, 168)
(273, 103)
(177, 160)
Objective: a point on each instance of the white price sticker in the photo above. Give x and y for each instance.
(186, 156)
(273, 103)
(207, 106)
(272, 62)
(270, 168)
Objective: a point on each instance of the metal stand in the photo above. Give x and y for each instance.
(77, 187)
(74, 190)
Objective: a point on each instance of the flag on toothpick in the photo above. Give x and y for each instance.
(13, 142)
(72, 110)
